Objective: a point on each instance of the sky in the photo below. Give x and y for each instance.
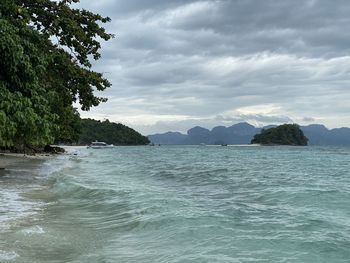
(175, 64)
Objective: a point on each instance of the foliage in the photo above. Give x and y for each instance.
(41, 78)
(69, 127)
(287, 134)
(109, 132)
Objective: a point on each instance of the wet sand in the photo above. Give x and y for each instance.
(13, 160)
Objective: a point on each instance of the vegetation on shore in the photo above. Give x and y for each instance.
(109, 132)
(286, 134)
(46, 48)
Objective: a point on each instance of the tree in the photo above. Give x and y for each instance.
(46, 49)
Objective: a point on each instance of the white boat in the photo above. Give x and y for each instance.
(100, 145)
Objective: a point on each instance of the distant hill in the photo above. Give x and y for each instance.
(109, 132)
(286, 134)
(319, 135)
(243, 133)
(240, 133)
(168, 138)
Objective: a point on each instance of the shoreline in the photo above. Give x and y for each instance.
(11, 160)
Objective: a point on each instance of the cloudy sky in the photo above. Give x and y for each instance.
(175, 64)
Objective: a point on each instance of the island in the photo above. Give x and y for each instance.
(286, 134)
(112, 133)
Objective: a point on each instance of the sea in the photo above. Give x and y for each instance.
(177, 204)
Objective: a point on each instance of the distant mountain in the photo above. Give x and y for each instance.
(198, 135)
(168, 138)
(240, 133)
(319, 135)
(243, 133)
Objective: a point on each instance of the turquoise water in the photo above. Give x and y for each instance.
(180, 204)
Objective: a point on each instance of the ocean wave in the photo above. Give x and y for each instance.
(197, 204)
(8, 256)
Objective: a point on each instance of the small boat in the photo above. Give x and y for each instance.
(100, 145)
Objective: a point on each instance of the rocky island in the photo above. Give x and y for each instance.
(286, 134)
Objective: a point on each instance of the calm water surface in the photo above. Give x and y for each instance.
(179, 204)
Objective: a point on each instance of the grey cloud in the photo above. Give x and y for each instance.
(308, 119)
(253, 26)
(205, 58)
(122, 8)
(313, 28)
